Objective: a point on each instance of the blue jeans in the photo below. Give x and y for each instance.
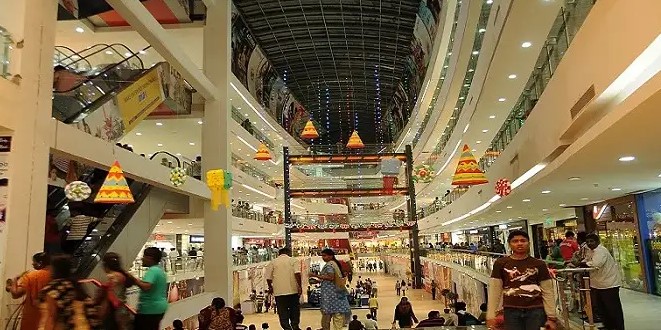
(524, 319)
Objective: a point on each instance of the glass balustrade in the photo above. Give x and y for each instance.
(6, 47)
(439, 82)
(567, 23)
(245, 167)
(247, 125)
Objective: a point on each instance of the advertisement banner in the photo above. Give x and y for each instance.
(655, 249)
(140, 98)
(5, 148)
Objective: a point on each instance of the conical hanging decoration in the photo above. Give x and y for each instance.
(114, 190)
(468, 172)
(309, 132)
(262, 153)
(355, 142)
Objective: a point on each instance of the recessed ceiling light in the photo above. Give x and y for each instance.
(562, 205)
(143, 52)
(489, 2)
(474, 150)
(190, 224)
(512, 76)
(546, 191)
(178, 154)
(526, 200)
(160, 144)
(502, 99)
(544, 210)
(574, 178)
(475, 52)
(138, 133)
(616, 189)
(627, 158)
(498, 211)
(127, 54)
(108, 52)
(659, 175)
(200, 122)
(482, 30)
(584, 198)
(485, 130)
(80, 30)
(478, 142)
(191, 143)
(509, 207)
(526, 44)
(492, 117)
(169, 221)
(159, 124)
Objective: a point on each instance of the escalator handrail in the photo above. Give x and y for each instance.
(100, 286)
(111, 46)
(107, 69)
(167, 153)
(73, 52)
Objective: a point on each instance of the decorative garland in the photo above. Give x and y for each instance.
(333, 226)
(423, 173)
(503, 187)
(178, 176)
(77, 191)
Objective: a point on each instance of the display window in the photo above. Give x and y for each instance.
(616, 223)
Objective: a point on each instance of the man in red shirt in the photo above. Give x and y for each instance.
(568, 246)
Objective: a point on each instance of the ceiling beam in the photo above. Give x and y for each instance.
(144, 23)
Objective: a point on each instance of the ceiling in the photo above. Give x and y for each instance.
(349, 53)
(595, 169)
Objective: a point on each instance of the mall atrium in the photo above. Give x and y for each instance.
(411, 137)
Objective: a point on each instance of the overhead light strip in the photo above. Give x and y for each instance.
(398, 206)
(253, 108)
(246, 143)
(297, 206)
(447, 162)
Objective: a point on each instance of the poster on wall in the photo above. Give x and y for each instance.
(655, 252)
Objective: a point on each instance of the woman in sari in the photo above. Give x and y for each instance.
(118, 281)
(64, 304)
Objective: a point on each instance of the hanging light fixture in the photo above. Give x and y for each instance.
(355, 142)
(262, 153)
(309, 132)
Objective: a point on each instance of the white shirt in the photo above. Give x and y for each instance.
(370, 324)
(607, 275)
(281, 272)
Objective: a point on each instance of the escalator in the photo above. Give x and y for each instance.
(89, 81)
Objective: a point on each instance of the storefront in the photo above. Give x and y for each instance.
(616, 222)
(649, 213)
(549, 231)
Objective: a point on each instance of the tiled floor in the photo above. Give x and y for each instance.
(421, 301)
(641, 311)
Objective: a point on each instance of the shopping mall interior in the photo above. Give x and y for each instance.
(411, 137)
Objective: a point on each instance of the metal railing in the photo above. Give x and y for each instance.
(254, 215)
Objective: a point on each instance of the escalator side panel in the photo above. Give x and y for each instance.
(137, 231)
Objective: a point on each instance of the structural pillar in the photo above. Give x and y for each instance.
(25, 118)
(416, 267)
(216, 153)
(287, 195)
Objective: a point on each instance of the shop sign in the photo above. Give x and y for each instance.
(549, 222)
(196, 239)
(655, 249)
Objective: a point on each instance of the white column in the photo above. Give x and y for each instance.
(215, 147)
(23, 234)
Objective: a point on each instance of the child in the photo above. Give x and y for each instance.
(178, 325)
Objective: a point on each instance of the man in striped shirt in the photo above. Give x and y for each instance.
(79, 225)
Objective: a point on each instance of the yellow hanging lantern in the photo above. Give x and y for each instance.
(355, 142)
(309, 132)
(219, 182)
(263, 153)
(114, 190)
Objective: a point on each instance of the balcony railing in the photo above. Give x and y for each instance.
(567, 23)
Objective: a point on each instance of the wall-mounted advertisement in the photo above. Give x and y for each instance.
(5, 149)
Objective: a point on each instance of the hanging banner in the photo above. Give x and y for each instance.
(5, 148)
(139, 99)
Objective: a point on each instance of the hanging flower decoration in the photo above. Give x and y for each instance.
(423, 173)
(503, 187)
(77, 191)
(178, 176)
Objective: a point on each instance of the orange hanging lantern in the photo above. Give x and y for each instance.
(355, 142)
(468, 172)
(115, 189)
(262, 153)
(309, 132)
